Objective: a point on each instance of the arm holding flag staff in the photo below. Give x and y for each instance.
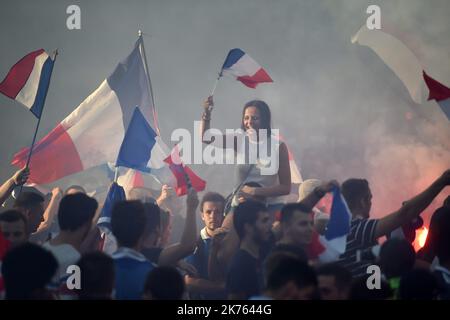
(18, 179)
(256, 120)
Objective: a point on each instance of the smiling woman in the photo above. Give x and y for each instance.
(256, 125)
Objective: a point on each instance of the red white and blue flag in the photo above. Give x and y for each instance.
(137, 150)
(404, 63)
(334, 242)
(241, 66)
(28, 80)
(184, 176)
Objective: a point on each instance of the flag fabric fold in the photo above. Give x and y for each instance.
(136, 149)
(338, 227)
(241, 66)
(439, 93)
(115, 194)
(402, 61)
(28, 80)
(185, 177)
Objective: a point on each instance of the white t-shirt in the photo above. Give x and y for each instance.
(65, 254)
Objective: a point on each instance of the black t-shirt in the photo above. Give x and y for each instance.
(244, 275)
(290, 248)
(152, 254)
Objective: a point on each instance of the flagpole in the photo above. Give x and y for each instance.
(215, 84)
(116, 174)
(149, 83)
(55, 53)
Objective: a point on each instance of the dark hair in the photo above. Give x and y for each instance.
(75, 187)
(354, 190)
(13, 216)
(246, 213)
(97, 276)
(212, 197)
(397, 257)
(418, 284)
(75, 210)
(443, 236)
(428, 251)
(342, 276)
(164, 283)
(282, 268)
(28, 200)
(264, 113)
(287, 212)
(128, 222)
(26, 269)
(153, 213)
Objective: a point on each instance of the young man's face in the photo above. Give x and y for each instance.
(300, 228)
(262, 227)
(212, 215)
(35, 216)
(14, 232)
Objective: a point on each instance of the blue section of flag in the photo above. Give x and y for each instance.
(44, 83)
(130, 83)
(115, 194)
(339, 223)
(233, 56)
(137, 144)
(445, 106)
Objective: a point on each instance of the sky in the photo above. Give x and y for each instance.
(343, 112)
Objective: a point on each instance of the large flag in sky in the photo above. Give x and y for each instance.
(402, 61)
(93, 133)
(241, 66)
(28, 80)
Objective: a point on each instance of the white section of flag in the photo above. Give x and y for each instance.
(27, 94)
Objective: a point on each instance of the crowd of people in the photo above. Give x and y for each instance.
(251, 245)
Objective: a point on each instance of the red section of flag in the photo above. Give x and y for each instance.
(180, 171)
(252, 81)
(54, 156)
(315, 248)
(438, 91)
(18, 75)
(4, 246)
(138, 180)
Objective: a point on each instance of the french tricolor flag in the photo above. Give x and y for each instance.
(184, 176)
(404, 63)
(240, 65)
(335, 239)
(28, 80)
(93, 133)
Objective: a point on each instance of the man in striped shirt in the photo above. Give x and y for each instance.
(364, 232)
